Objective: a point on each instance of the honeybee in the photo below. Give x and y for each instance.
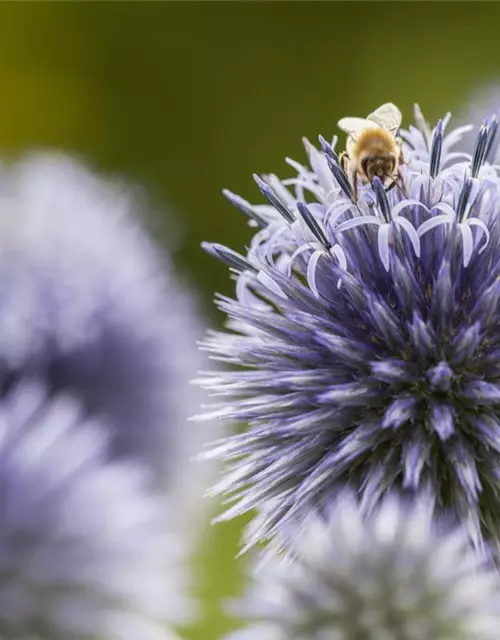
(372, 148)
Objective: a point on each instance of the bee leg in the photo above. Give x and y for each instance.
(352, 175)
(343, 160)
(398, 181)
(354, 184)
(401, 158)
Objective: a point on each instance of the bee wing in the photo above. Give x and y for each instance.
(355, 126)
(387, 116)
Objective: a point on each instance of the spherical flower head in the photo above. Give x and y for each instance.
(397, 575)
(366, 337)
(84, 546)
(89, 304)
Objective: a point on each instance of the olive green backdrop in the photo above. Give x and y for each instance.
(187, 98)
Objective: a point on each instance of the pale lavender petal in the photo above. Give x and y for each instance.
(384, 231)
(432, 223)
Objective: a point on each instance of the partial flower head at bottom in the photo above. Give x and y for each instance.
(397, 575)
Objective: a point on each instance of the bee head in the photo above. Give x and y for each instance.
(381, 166)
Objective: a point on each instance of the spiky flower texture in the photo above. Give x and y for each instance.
(398, 575)
(366, 337)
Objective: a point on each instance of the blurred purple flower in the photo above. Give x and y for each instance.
(88, 303)
(368, 332)
(398, 574)
(84, 548)
(480, 103)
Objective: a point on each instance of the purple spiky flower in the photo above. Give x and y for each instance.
(398, 574)
(365, 338)
(89, 304)
(85, 548)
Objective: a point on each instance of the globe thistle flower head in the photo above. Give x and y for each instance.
(88, 304)
(396, 575)
(85, 549)
(365, 337)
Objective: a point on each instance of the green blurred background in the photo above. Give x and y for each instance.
(188, 98)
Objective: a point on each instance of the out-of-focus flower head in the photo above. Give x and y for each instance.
(84, 547)
(480, 103)
(365, 337)
(396, 575)
(89, 304)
